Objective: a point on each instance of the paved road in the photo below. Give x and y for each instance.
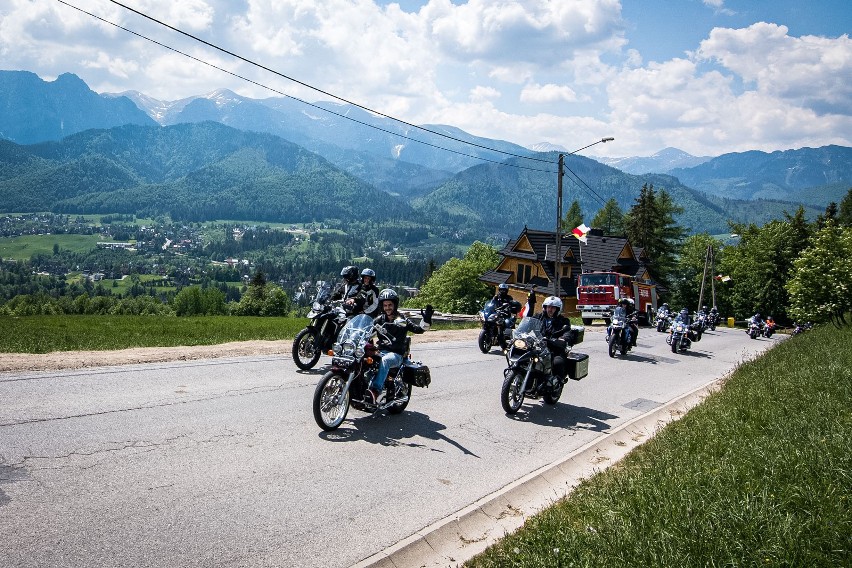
(220, 463)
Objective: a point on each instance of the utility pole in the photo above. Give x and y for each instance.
(709, 263)
(557, 281)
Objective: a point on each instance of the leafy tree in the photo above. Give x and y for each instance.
(455, 286)
(821, 284)
(573, 218)
(761, 264)
(610, 218)
(194, 301)
(689, 271)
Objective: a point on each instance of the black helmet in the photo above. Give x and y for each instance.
(349, 273)
(757, 315)
(503, 289)
(666, 305)
(369, 272)
(684, 312)
(389, 294)
(703, 308)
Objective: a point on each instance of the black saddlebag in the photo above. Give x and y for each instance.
(416, 374)
(578, 365)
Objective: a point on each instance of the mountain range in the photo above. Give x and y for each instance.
(68, 148)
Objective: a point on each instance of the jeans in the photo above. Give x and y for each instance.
(389, 360)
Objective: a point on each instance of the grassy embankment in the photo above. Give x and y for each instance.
(44, 334)
(760, 474)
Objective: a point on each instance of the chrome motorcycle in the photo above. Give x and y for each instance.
(497, 324)
(529, 366)
(353, 366)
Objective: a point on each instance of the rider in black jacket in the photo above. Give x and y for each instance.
(556, 328)
(394, 329)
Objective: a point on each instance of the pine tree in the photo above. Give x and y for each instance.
(610, 218)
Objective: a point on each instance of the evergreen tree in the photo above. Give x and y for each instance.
(844, 215)
(650, 224)
(610, 218)
(573, 218)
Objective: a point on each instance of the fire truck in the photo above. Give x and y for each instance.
(599, 292)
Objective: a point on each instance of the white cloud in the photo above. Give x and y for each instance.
(549, 93)
(480, 93)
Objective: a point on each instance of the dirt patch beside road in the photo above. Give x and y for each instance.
(82, 359)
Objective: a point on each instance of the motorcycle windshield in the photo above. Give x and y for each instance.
(488, 308)
(619, 313)
(528, 325)
(357, 330)
(323, 293)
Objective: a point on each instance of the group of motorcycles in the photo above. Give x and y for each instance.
(354, 363)
(760, 329)
(683, 332)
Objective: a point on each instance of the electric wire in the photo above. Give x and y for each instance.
(304, 84)
(317, 89)
(237, 75)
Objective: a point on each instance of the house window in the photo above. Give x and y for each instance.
(524, 273)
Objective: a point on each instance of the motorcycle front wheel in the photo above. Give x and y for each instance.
(306, 351)
(675, 344)
(613, 344)
(484, 341)
(511, 396)
(330, 408)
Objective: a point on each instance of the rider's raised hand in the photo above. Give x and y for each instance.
(427, 314)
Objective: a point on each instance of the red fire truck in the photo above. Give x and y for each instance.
(599, 292)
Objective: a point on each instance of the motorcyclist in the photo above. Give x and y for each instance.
(714, 314)
(502, 299)
(683, 317)
(369, 293)
(664, 310)
(348, 290)
(756, 320)
(630, 312)
(391, 337)
(556, 329)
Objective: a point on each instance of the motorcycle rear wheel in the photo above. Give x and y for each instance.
(552, 396)
(484, 341)
(511, 396)
(306, 352)
(404, 391)
(330, 408)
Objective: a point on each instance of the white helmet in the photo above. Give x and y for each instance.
(553, 301)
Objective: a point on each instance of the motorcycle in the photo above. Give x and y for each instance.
(754, 329)
(618, 332)
(682, 335)
(663, 321)
(701, 321)
(801, 328)
(353, 366)
(497, 324)
(327, 319)
(713, 320)
(768, 329)
(529, 366)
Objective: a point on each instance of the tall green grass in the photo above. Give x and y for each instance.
(43, 334)
(760, 474)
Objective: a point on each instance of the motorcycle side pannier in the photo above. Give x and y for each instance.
(576, 334)
(578, 365)
(417, 375)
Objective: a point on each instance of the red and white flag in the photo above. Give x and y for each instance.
(580, 232)
(525, 310)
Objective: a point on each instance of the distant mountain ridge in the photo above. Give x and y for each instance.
(662, 162)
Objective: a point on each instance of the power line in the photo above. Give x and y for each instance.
(214, 66)
(317, 89)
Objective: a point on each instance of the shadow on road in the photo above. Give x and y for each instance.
(390, 430)
(563, 416)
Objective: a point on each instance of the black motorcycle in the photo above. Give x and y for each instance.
(327, 319)
(682, 335)
(353, 366)
(618, 332)
(713, 319)
(497, 324)
(529, 366)
(663, 321)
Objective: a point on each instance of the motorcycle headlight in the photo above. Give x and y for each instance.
(359, 352)
(348, 348)
(520, 344)
(317, 307)
(337, 348)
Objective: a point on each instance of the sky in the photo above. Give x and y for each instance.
(705, 76)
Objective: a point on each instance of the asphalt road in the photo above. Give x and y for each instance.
(220, 463)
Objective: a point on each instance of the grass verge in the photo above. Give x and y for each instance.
(757, 475)
(44, 334)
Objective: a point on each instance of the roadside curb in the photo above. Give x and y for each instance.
(455, 539)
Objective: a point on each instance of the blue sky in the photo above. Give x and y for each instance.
(706, 76)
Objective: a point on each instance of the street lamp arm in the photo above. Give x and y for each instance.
(607, 139)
